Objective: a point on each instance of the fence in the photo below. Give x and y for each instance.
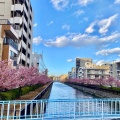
(60, 109)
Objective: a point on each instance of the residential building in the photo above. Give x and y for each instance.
(80, 62)
(35, 59)
(86, 69)
(115, 70)
(69, 75)
(93, 71)
(20, 15)
(8, 42)
(73, 72)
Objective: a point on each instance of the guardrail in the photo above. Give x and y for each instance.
(61, 109)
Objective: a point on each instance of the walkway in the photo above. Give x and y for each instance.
(31, 95)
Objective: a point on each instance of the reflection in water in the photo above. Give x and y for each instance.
(62, 91)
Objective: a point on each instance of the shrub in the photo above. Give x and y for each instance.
(15, 93)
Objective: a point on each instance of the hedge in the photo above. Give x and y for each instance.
(16, 93)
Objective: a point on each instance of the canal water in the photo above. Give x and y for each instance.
(62, 91)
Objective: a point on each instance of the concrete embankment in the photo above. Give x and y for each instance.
(44, 94)
(97, 93)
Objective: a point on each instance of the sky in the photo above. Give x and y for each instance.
(66, 29)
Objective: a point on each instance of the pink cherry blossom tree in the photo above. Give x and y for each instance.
(16, 78)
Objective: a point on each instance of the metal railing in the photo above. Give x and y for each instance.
(60, 109)
(4, 22)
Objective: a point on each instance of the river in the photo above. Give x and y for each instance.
(62, 91)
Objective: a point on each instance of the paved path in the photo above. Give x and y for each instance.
(31, 95)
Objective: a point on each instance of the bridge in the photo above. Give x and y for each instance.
(60, 109)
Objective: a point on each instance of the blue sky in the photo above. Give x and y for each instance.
(66, 29)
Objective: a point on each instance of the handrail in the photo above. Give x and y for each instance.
(61, 108)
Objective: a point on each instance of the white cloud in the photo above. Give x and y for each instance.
(81, 40)
(78, 12)
(100, 62)
(66, 27)
(84, 2)
(59, 4)
(51, 22)
(86, 19)
(37, 40)
(117, 2)
(90, 28)
(70, 60)
(112, 37)
(108, 51)
(35, 24)
(105, 24)
(60, 42)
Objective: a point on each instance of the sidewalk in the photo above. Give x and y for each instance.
(31, 95)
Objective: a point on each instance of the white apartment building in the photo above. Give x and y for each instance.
(20, 15)
(115, 70)
(69, 75)
(72, 73)
(35, 59)
(86, 69)
(80, 62)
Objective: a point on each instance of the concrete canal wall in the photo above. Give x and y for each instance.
(44, 94)
(97, 93)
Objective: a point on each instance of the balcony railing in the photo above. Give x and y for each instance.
(4, 22)
(8, 41)
(118, 68)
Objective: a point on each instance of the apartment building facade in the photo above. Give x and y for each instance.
(20, 15)
(35, 58)
(8, 42)
(80, 62)
(115, 70)
(86, 69)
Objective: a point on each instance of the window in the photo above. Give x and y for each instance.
(24, 39)
(23, 51)
(12, 55)
(28, 55)
(16, 26)
(13, 2)
(25, 28)
(28, 45)
(12, 13)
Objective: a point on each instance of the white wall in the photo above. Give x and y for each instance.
(5, 7)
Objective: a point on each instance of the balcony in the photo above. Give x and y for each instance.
(18, 7)
(94, 73)
(4, 22)
(8, 41)
(118, 68)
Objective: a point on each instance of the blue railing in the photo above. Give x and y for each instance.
(60, 109)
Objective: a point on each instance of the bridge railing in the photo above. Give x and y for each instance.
(60, 109)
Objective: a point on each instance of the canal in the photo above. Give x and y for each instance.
(62, 91)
